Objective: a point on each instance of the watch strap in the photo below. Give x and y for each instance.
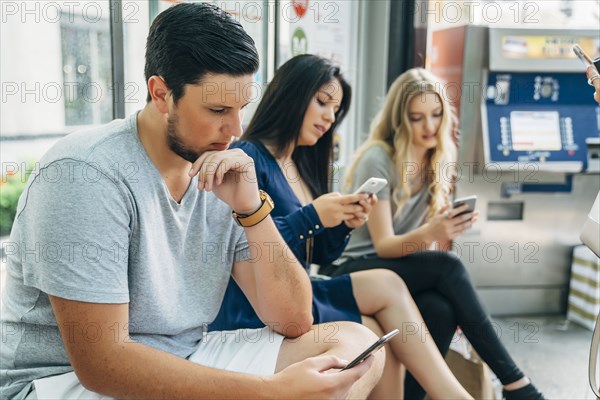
(248, 220)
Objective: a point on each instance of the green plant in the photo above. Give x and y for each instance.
(11, 187)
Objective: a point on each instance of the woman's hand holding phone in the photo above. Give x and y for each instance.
(335, 208)
(369, 188)
(449, 222)
(361, 217)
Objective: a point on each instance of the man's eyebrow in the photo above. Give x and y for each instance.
(221, 105)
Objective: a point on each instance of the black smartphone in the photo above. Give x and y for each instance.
(470, 200)
(372, 349)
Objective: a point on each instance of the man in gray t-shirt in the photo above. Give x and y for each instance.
(124, 242)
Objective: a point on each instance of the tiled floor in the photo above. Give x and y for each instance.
(553, 354)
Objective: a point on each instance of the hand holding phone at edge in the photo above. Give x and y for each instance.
(594, 79)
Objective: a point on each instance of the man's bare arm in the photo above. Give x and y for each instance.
(275, 283)
(109, 362)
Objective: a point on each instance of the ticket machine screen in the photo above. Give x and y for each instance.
(535, 130)
(542, 118)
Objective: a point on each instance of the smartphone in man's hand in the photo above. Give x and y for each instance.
(372, 349)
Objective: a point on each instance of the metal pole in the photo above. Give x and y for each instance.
(117, 58)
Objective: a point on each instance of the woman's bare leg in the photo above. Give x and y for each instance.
(391, 384)
(382, 294)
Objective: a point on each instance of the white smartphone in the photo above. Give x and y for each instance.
(372, 186)
(585, 59)
(470, 200)
(372, 349)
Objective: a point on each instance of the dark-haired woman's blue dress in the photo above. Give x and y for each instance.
(333, 299)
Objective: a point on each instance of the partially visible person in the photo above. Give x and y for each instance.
(116, 275)
(290, 139)
(594, 80)
(411, 145)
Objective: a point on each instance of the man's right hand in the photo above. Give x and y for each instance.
(318, 378)
(335, 208)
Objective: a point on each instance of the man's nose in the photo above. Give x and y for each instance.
(233, 125)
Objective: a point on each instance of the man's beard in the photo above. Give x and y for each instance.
(175, 143)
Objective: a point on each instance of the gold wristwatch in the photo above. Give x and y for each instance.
(248, 220)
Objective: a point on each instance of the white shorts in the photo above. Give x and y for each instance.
(250, 351)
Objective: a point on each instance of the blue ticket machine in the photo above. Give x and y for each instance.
(528, 148)
(537, 106)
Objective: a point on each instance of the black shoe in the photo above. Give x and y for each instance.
(528, 392)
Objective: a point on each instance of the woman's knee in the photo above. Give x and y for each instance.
(448, 262)
(377, 289)
(340, 331)
(390, 281)
(352, 338)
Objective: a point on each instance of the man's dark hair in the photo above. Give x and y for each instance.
(278, 119)
(189, 40)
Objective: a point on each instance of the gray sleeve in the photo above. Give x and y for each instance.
(74, 227)
(375, 163)
(242, 249)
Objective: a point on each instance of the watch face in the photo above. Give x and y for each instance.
(265, 196)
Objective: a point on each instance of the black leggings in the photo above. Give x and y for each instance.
(441, 322)
(445, 274)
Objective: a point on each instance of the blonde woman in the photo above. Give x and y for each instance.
(411, 145)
